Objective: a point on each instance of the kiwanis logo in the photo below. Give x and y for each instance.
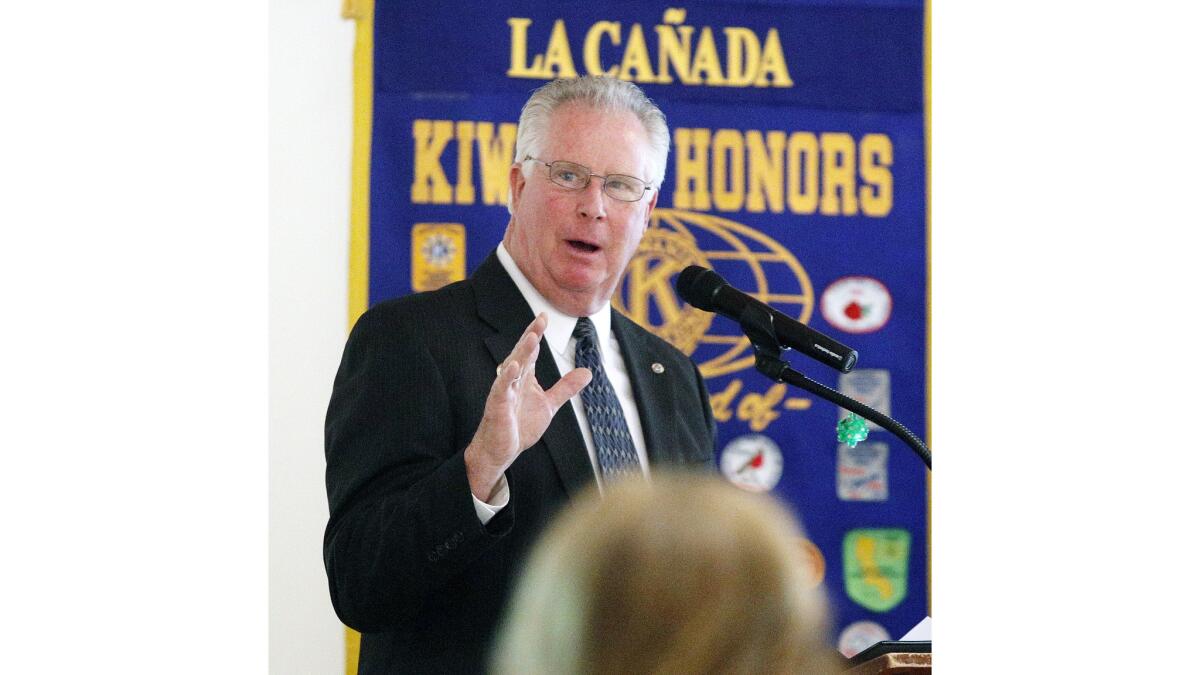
(648, 290)
(750, 260)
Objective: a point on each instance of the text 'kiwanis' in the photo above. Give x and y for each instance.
(739, 58)
(725, 170)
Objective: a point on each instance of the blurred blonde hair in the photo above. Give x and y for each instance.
(687, 574)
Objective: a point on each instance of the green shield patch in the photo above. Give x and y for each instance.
(875, 567)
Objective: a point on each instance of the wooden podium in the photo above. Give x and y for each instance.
(894, 658)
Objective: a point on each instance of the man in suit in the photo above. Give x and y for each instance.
(448, 443)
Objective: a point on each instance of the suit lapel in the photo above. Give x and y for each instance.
(652, 391)
(501, 305)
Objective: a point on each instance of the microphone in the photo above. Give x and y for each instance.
(707, 290)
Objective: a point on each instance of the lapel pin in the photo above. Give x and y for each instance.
(657, 368)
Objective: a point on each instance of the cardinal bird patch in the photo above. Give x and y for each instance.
(752, 462)
(857, 304)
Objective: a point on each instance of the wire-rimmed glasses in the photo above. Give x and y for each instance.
(574, 176)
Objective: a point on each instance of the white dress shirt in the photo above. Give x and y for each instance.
(559, 337)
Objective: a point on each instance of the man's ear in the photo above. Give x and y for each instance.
(650, 209)
(516, 183)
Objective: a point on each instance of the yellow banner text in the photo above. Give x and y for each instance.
(671, 51)
(802, 172)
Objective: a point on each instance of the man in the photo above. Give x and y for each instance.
(448, 443)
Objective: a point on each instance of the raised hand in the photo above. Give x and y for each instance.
(517, 411)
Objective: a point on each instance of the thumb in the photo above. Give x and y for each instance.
(570, 384)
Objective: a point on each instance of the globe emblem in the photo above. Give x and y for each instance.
(747, 258)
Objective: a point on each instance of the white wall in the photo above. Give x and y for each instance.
(310, 106)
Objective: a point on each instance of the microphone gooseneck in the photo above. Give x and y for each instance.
(770, 330)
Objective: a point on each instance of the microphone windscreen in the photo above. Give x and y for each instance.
(698, 286)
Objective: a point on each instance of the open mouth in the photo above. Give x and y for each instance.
(583, 246)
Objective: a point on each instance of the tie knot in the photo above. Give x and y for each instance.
(584, 330)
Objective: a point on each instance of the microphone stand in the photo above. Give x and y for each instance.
(759, 326)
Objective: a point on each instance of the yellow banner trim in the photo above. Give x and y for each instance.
(928, 309)
(362, 12)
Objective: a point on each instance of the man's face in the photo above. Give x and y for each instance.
(573, 245)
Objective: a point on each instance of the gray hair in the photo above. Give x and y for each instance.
(601, 93)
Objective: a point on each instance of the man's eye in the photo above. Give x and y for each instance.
(568, 176)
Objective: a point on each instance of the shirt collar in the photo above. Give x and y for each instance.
(561, 326)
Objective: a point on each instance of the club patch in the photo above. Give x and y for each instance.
(857, 304)
(860, 635)
(862, 472)
(752, 462)
(816, 562)
(875, 566)
(871, 387)
(439, 255)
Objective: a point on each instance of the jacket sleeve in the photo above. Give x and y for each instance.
(402, 523)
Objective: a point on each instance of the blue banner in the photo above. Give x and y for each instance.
(797, 171)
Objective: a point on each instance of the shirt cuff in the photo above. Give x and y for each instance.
(499, 499)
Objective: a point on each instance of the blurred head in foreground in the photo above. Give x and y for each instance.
(687, 574)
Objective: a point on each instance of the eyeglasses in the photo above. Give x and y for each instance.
(574, 176)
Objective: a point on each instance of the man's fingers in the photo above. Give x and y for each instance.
(538, 325)
(506, 374)
(570, 384)
(530, 362)
(526, 349)
(524, 352)
(525, 343)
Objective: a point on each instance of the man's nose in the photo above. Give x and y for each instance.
(591, 201)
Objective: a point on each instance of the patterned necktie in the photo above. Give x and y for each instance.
(610, 434)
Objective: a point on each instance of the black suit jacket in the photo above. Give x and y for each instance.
(409, 564)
